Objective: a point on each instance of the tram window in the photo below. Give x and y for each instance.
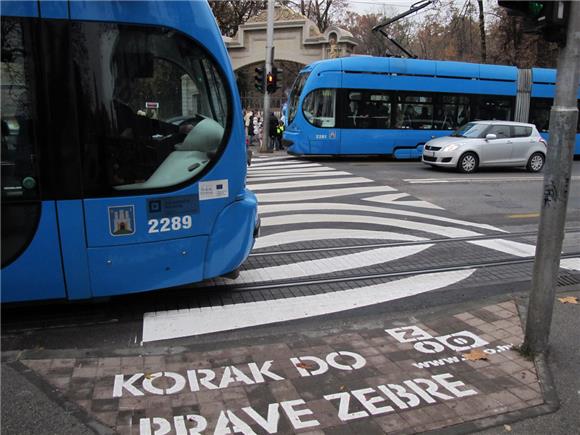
(154, 107)
(492, 107)
(295, 95)
(19, 175)
(540, 113)
(415, 112)
(453, 111)
(368, 109)
(20, 193)
(319, 108)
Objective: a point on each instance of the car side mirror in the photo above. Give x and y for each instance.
(490, 136)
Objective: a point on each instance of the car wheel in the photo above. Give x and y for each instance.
(536, 162)
(468, 163)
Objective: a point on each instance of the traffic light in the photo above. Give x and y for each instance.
(259, 79)
(272, 80)
(548, 18)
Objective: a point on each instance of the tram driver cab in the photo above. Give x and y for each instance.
(180, 136)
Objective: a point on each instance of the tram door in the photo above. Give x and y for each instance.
(31, 259)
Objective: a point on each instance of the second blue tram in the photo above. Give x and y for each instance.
(371, 105)
(123, 155)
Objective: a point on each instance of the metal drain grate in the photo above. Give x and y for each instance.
(565, 280)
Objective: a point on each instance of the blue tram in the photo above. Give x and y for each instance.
(392, 106)
(123, 152)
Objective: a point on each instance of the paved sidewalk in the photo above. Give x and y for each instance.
(398, 376)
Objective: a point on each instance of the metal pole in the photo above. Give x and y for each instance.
(269, 58)
(563, 119)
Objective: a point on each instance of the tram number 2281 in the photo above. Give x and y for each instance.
(166, 224)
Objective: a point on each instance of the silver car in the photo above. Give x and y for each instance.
(488, 143)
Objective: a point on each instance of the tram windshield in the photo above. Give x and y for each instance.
(295, 95)
(156, 107)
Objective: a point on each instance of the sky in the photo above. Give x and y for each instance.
(390, 7)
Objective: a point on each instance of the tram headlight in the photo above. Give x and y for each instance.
(449, 148)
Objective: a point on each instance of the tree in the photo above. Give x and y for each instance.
(230, 14)
(323, 12)
(482, 31)
(508, 44)
(374, 43)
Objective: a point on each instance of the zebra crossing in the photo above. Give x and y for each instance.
(306, 205)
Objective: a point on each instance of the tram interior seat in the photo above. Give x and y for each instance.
(189, 157)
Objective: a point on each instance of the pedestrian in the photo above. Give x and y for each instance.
(273, 121)
(249, 123)
(279, 133)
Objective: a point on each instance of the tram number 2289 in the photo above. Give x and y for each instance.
(166, 224)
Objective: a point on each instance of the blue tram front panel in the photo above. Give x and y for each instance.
(142, 183)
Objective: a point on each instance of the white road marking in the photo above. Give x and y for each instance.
(268, 167)
(406, 224)
(309, 183)
(570, 263)
(181, 323)
(260, 158)
(329, 234)
(306, 195)
(290, 171)
(279, 163)
(299, 176)
(332, 206)
(328, 265)
(393, 197)
(519, 249)
(468, 179)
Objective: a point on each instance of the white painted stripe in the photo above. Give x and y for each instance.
(326, 206)
(469, 179)
(180, 323)
(255, 168)
(570, 263)
(281, 163)
(290, 171)
(329, 265)
(263, 158)
(309, 183)
(406, 224)
(299, 176)
(507, 246)
(522, 250)
(312, 234)
(393, 197)
(306, 195)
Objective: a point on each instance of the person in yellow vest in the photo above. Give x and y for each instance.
(279, 132)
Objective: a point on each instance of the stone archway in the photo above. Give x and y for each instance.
(296, 39)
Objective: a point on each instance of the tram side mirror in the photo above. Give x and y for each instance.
(490, 136)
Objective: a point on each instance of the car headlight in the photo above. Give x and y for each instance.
(450, 148)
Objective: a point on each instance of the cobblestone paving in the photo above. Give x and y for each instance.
(401, 378)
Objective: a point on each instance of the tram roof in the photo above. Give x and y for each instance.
(418, 67)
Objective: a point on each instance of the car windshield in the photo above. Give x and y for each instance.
(470, 130)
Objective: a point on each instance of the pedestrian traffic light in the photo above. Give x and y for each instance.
(548, 18)
(259, 79)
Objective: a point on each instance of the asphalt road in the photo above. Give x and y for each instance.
(468, 210)
(506, 197)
